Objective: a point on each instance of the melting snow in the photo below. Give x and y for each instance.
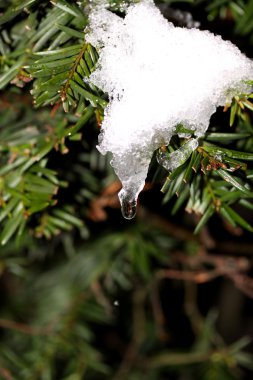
(157, 76)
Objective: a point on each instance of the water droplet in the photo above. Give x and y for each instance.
(128, 201)
(128, 209)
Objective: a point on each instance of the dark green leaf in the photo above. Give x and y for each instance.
(234, 181)
(11, 226)
(237, 218)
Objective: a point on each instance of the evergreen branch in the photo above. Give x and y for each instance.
(207, 195)
(71, 73)
(68, 288)
(63, 79)
(27, 186)
(58, 220)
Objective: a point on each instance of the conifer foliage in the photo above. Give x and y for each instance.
(72, 281)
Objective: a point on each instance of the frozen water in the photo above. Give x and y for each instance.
(179, 156)
(157, 76)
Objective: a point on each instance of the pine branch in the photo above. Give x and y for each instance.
(28, 186)
(56, 294)
(196, 182)
(63, 78)
(59, 70)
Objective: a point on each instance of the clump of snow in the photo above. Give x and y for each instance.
(157, 76)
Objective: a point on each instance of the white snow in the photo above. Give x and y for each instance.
(157, 76)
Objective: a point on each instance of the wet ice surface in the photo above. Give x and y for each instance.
(157, 76)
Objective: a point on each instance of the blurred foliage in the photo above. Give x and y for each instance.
(97, 297)
(76, 302)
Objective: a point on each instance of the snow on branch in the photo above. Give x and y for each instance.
(157, 76)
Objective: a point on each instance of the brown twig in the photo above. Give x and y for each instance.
(224, 263)
(72, 71)
(196, 276)
(5, 373)
(107, 198)
(243, 283)
(230, 267)
(23, 328)
(170, 228)
(158, 312)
